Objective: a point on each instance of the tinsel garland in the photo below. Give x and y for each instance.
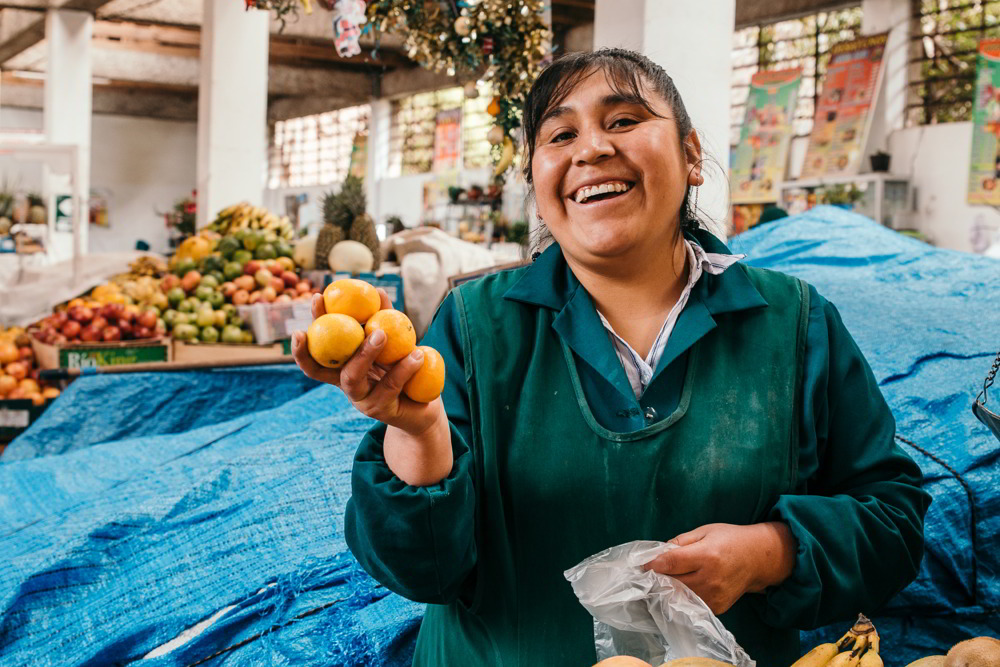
(502, 42)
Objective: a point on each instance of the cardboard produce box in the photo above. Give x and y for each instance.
(197, 352)
(95, 355)
(16, 415)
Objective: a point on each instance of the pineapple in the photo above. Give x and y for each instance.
(345, 218)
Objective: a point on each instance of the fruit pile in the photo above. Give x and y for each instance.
(18, 372)
(243, 216)
(91, 322)
(859, 647)
(198, 311)
(334, 337)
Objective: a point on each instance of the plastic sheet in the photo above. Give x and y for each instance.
(647, 615)
(147, 508)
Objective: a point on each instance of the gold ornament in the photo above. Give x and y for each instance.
(463, 26)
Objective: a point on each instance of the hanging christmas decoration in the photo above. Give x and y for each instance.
(348, 16)
(280, 8)
(501, 42)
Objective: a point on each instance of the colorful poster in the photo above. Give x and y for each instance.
(757, 164)
(447, 140)
(843, 113)
(984, 162)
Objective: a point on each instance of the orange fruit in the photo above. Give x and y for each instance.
(29, 386)
(50, 393)
(427, 383)
(7, 384)
(624, 661)
(353, 297)
(76, 302)
(493, 108)
(35, 397)
(333, 339)
(18, 370)
(16, 393)
(8, 352)
(401, 339)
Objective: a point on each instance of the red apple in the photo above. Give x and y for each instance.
(91, 333)
(255, 296)
(283, 298)
(60, 318)
(81, 314)
(59, 339)
(241, 297)
(246, 282)
(290, 279)
(143, 332)
(27, 354)
(277, 284)
(113, 311)
(229, 289)
(252, 267)
(71, 329)
(169, 282)
(190, 281)
(268, 294)
(98, 323)
(124, 327)
(111, 333)
(303, 287)
(148, 319)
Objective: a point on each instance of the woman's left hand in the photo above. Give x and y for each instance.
(720, 561)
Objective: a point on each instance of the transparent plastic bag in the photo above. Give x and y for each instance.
(648, 615)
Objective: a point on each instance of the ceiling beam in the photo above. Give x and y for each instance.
(35, 32)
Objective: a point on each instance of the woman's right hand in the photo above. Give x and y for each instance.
(374, 390)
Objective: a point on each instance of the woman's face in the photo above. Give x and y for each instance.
(609, 175)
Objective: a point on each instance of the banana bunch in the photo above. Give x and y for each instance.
(257, 218)
(148, 265)
(857, 648)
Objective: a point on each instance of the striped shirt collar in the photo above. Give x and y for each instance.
(640, 371)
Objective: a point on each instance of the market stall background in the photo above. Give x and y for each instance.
(117, 546)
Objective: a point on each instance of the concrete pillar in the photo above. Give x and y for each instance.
(232, 107)
(377, 169)
(890, 104)
(67, 115)
(692, 41)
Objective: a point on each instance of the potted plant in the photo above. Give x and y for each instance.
(880, 161)
(842, 196)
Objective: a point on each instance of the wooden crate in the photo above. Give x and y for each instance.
(95, 355)
(195, 352)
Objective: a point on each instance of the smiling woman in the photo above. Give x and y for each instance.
(636, 382)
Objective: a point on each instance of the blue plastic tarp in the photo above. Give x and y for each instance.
(121, 531)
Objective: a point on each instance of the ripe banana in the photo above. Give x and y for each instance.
(506, 157)
(819, 656)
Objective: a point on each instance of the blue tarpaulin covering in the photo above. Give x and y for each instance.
(142, 505)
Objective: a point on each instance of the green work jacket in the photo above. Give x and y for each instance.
(761, 408)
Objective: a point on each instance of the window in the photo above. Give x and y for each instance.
(802, 42)
(946, 36)
(319, 149)
(411, 136)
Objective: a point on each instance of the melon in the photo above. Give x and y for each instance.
(351, 257)
(305, 253)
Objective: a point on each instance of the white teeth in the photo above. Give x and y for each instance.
(585, 193)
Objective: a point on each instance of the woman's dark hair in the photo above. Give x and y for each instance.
(629, 74)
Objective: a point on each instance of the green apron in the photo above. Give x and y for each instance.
(553, 486)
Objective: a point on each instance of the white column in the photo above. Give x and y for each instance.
(68, 100)
(377, 168)
(232, 107)
(890, 105)
(692, 41)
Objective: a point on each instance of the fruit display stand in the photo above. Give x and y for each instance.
(16, 415)
(95, 355)
(187, 352)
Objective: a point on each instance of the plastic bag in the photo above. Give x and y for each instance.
(648, 615)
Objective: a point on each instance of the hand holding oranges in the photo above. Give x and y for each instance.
(337, 351)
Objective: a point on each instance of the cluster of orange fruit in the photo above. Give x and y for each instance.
(333, 338)
(18, 371)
